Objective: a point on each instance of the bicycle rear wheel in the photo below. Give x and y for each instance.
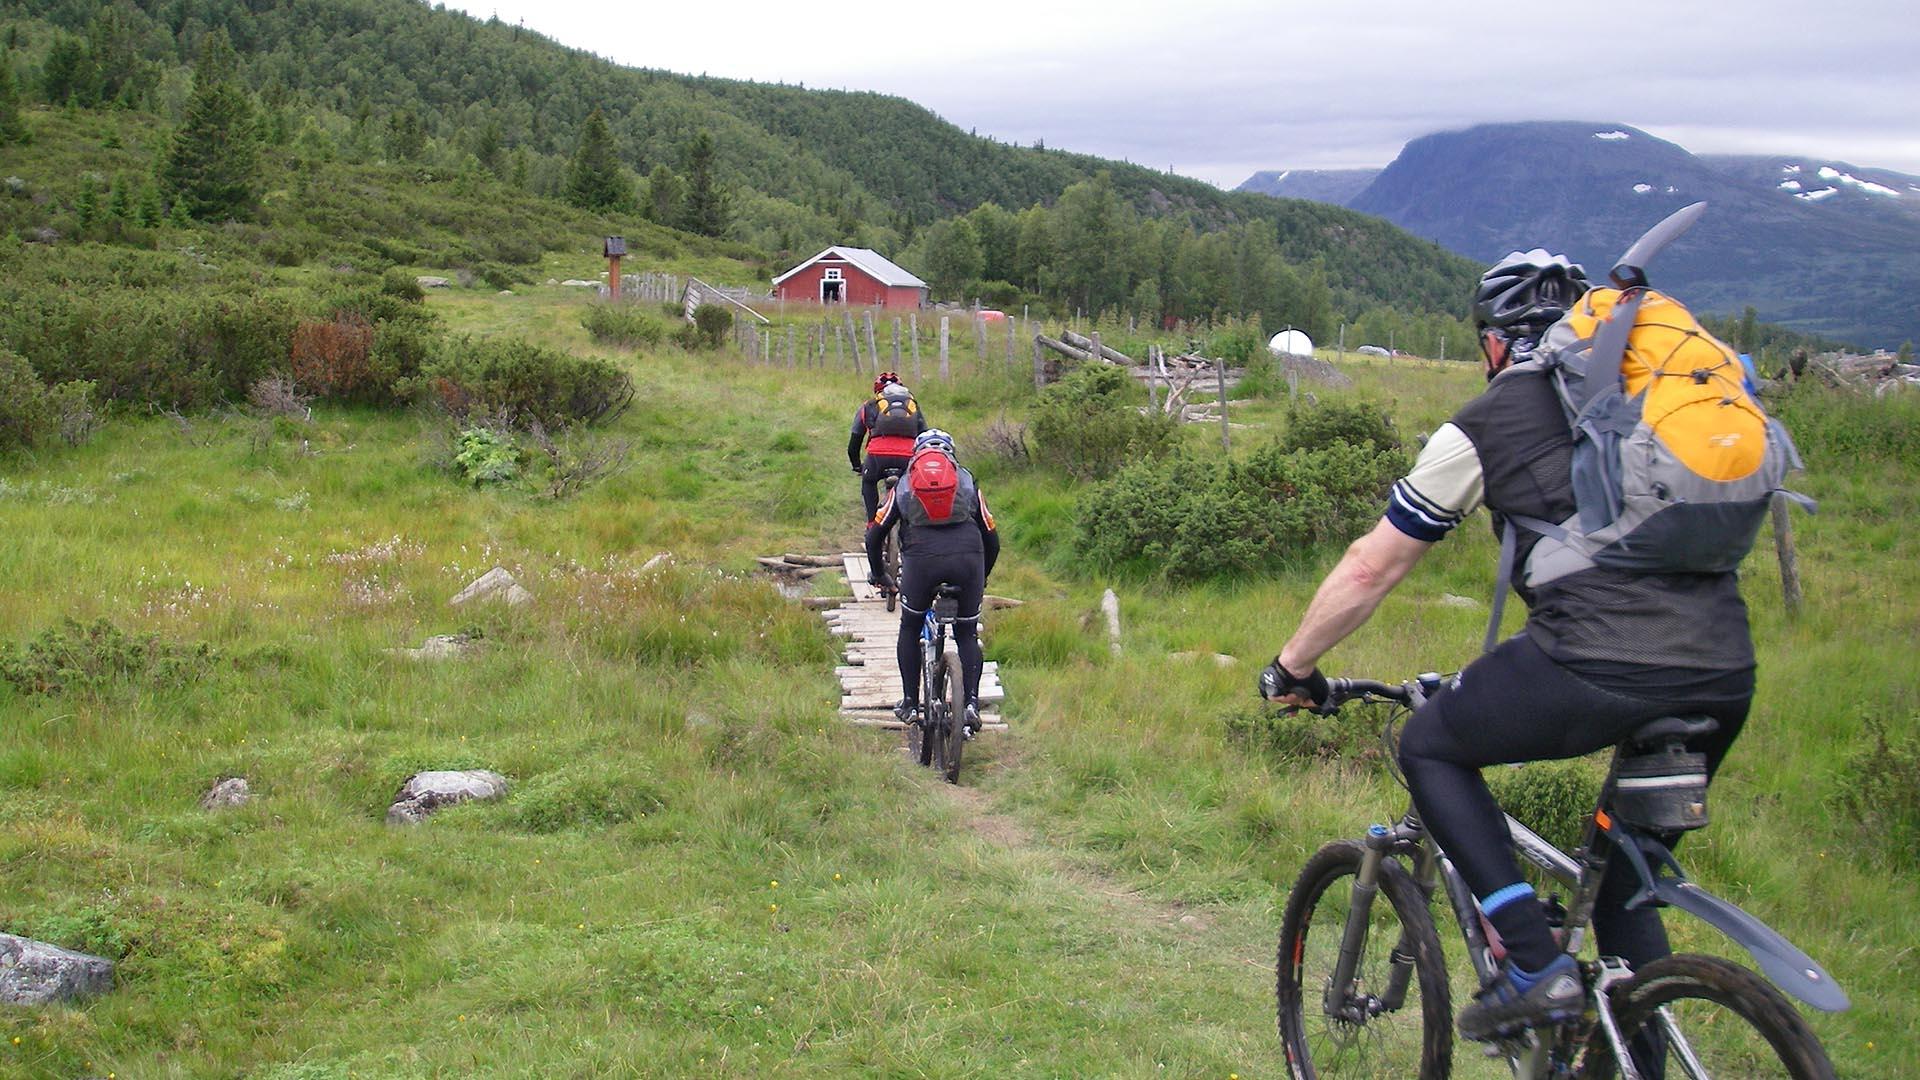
(1363, 1031)
(890, 560)
(1715, 1018)
(956, 735)
(936, 711)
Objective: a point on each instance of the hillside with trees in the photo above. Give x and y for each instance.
(780, 169)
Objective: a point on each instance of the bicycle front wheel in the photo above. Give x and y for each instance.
(1700, 1017)
(956, 712)
(1395, 1018)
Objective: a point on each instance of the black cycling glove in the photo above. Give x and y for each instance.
(1276, 681)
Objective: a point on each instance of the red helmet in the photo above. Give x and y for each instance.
(881, 382)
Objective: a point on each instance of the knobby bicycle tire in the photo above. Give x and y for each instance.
(1754, 1031)
(1414, 1040)
(935, 694)
(891, 562)
(956, 734)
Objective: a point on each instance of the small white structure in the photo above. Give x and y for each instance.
(1291, 343)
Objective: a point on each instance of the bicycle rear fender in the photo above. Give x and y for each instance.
(1783, 962)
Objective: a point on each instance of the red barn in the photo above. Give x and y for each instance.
(851, 275)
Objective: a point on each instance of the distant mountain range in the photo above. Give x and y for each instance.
(1821, 246)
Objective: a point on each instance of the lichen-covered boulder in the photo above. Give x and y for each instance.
(423, 793)
(35, 973)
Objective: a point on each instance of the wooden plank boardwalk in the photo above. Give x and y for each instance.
(870, 679)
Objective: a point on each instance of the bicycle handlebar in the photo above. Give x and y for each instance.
(1341, 691)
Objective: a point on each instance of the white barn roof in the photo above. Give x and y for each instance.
(874, 264)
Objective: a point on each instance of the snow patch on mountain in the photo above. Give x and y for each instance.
(1611, 136)
(1831, 174)
(1642, 189)
(1789, 185)
(1816, 196)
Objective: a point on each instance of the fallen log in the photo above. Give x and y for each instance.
(1079, 341)
(811, 560)
(1065, 349)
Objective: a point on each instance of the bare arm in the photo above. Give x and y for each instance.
(1369, 570)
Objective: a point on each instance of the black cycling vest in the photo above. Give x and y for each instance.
(1689, 621)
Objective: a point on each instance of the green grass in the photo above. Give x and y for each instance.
(1100, 901)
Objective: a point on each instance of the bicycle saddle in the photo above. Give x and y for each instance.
(1658, 731)
(948, 590)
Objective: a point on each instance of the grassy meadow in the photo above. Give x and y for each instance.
(698, 872)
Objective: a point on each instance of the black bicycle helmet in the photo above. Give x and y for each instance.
(1526, 292)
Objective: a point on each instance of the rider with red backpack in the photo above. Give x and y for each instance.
(887, 423)
(947, 536)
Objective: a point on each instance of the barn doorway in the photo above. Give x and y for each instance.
(832, 286)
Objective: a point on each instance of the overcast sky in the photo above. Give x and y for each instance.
(1218, 89)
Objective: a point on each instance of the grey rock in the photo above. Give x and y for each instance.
(423, 793)
(441, 647)
(579, 284)
(1219, 659)
(428, 282)
(230, 792)
(494, 584)
(1456, 600)
(35, 973)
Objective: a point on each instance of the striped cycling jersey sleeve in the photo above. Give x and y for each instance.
(1443, 488)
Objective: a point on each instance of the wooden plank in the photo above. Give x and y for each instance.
(890, 723)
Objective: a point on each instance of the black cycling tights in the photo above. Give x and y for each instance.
(1515, 704)
(920, 575)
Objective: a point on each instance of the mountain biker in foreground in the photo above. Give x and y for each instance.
(1603, 650)
(887, 423)
(947, 536)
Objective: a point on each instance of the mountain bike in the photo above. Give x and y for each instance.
(890, 555)
(1363, 989)
(939, 733)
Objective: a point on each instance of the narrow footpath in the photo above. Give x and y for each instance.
(870, 678)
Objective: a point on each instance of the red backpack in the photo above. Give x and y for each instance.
(937, 486)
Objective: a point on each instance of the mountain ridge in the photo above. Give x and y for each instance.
(1842, 264)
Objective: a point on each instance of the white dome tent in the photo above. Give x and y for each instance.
(1291, 343)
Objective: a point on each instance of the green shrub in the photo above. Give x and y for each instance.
(486, 456)
(74, 657)
(1880, 790)
(1187, 518)
(525, 382)
(623, 325)
(401, 285)
(581, 797)
(24, 409)
(1088, 424)
(708, 329)
(31, 412)
(1553, 798)
(185, 351)
(1355, 422)
(1832, 427)
(1352, 734)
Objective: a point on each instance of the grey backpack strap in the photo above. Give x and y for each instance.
(1502, 581)
(1609, 345)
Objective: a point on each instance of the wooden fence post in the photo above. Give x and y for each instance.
(1226, 430)
(896, 344)
(839, 348)
(946, 370)
(1789, 560)
(913, 340)
(1039, 365)
(1009, 344)
(853, 337)
(789, 346)
(873, 347)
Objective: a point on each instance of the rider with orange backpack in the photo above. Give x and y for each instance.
(887, 423)
(947, 536)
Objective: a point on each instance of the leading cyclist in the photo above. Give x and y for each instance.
(1603, 651)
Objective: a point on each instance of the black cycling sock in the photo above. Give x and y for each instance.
(1525, 933)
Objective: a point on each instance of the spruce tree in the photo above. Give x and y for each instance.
(594, 179)
(13, 128)
(212, 167)
(663, 196)
(706, 207)
(148, 211)
(119, 200)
